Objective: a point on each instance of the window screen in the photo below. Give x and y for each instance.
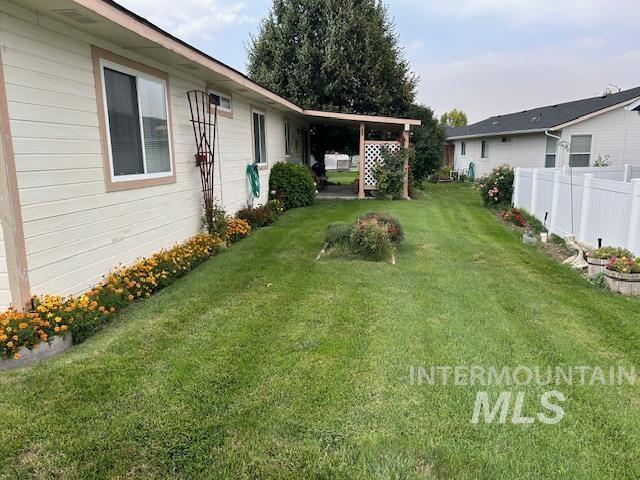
(259, 140)
(550, 152)
(580, 155)
(124, 123)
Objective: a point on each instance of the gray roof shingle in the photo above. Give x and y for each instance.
(542, 117)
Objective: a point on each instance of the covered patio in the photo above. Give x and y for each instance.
(370, 128)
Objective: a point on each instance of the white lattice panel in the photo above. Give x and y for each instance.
(373, 156)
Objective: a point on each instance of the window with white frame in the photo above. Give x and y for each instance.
(222, 101)
(580, 153)
(137, 123)
(259, 137)
(287, 138)
(484, 149)
(463, 148)
(550, 152)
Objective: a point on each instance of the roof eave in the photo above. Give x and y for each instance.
(497, 134)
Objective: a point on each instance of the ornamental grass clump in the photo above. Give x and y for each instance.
(81, 315)
(373, 236)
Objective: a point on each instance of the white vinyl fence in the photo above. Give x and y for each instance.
(593, 204)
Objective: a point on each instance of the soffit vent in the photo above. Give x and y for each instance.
(74, 15)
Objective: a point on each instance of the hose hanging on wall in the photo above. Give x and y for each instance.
(254, 179)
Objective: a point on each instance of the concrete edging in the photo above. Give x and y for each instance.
(42, 351)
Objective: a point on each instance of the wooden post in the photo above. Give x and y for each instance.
(361, 183)
(405, 181)
(10, 210)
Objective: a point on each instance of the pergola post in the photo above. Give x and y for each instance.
(361, 182)
(405, 144)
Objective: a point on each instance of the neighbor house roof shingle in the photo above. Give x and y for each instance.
(542, 118)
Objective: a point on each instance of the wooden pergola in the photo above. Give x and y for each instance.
(370, 149)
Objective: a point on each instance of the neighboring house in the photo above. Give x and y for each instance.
(97, 157)
(599, 127)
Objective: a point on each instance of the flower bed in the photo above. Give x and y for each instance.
(600, 258)
(55, 315)
(622, 275)
(496, 187)
(79, 316)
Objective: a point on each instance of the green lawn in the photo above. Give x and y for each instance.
(264, 363)
(341, 178)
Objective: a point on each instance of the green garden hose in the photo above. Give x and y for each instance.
(254, 179)
(471, 173)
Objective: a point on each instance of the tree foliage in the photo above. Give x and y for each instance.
(336, 55)
(454, 118)
(428, 140)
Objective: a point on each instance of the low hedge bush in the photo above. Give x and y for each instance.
(292, 183)
(261, 216)
(338, 233)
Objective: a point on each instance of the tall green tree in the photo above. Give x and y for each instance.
(454, 118)
(336, 55)
(428, 141)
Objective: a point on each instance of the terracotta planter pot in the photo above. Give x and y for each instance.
(624, 283)
(42, 351)
(596, 265)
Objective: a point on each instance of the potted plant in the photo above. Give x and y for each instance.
(600, 258)
(622, 275)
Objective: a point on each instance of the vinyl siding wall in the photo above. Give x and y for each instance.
(615, 133)
(74, 230)
(521, 151)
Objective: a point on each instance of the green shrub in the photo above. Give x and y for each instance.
(214, 220)
(370, 240)
(261, 216)
(496, 188)
(391, 223)
(605, 253)
(389, 174)
(338, 233)
(293, 184)
(598, 280)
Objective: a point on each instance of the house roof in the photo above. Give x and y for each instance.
(150, 37)
(539, 119)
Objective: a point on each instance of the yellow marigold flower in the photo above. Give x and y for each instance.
(16, 356)
(63, 328)
(10, 344)
(57, 319)
(131, 297)
(22, 326)
(15, 338)
(56, 329)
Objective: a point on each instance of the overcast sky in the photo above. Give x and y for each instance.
(486, 57)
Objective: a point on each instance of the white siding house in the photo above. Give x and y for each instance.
(600, 127)
(81, 217)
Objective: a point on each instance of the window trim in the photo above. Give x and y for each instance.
(590, 152)
(260, 111)
(484, 150)
(287, 138)
(554, 154)
(103, 58)
(222, 112)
